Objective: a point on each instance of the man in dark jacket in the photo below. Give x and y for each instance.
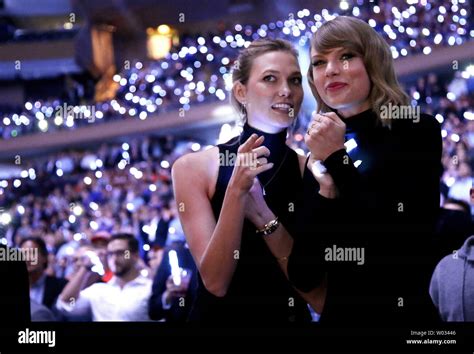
(169, 301)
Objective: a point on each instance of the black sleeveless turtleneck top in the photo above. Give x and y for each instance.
(259, 291)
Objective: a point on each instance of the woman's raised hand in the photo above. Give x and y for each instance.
(251, 161)
(325, 135)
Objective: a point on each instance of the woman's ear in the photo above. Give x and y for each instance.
(240, 92)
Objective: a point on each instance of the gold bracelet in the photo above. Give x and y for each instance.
(269, 228)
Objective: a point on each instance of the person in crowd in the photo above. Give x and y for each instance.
(453, 227)
(463, 183)
(99, 242)
(236, 201)
(44, 289)
(123, 298)
(40, 313)
(172, 298)
(452, 284)
(371, 238)
(80, 257)
(155, 257)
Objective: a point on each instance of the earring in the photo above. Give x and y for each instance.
(244, 109)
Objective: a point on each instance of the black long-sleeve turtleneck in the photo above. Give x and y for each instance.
(387, 207)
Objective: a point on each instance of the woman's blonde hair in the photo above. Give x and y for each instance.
(359, 37)
(243, 65)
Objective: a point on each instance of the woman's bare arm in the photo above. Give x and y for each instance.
(214, 245)
(280, 242)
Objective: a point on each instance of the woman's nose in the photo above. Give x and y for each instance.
(284, 90)
(333, 68)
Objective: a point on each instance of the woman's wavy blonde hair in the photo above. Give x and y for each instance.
(359, 37)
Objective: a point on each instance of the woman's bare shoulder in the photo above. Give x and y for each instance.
(199, 168)
(197, 160)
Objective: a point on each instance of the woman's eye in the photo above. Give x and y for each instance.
(269, 78)
(297, 80)
(317, 63)
(347, 56)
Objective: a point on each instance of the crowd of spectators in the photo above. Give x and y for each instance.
(69, 205)
(197, 70)
(451, 102)
(72, 199)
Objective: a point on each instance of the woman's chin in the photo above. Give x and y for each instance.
(280, 116)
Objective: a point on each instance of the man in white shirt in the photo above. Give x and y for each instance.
(123, 298)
